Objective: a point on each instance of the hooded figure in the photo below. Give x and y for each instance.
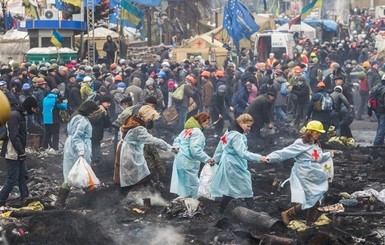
(78, 143)
(133, 165)
(191, 142)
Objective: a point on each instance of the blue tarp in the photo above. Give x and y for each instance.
(328, 25)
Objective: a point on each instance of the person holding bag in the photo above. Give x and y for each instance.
(78, 143)
(190, 142)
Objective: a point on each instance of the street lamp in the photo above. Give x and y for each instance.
(4, 8)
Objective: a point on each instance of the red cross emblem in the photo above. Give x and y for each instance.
(187, 133)
(224, 139)
(315, 155)
(199, 43)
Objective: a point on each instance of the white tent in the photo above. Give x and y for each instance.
(101, 32)
(14, 44)
(306, 30)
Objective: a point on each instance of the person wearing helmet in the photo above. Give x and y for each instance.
(110, 48)
(207, 91)
(182, 106)
(52, 104)
(308, 180)
(315, 110)
(162, 84)
(85, 89)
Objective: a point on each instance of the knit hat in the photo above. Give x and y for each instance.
(105, 98)
(29, 103)
(151, 100)
(88, 107)
(103, 89)
(87, 79)
(171, 84)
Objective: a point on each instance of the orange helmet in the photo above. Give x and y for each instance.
(192, 79)
(118, 78)
(220, 73)
(205, 74)
(321, 85)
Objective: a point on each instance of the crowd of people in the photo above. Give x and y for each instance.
(130, 97)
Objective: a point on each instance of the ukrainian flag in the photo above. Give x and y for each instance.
(31, 8)
(308, 8)
(56, 39)
(130, 15)
(76, 3)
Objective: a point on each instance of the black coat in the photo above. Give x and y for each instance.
(260, 110)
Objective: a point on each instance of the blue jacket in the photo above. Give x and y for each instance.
(51, 109)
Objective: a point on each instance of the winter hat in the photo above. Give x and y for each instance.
(171, 84)
(150, 82)
(87, 79)
(148, 113)
(121, 85)
(88, 107)
(26, 86)
(338, 88)
(103, 89)
(151, 100)
(105, 98)
(34, 72)
(29, 103)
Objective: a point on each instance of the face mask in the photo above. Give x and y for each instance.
(300, 83)
(149, 124)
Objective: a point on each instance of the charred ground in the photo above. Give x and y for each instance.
(107, 216)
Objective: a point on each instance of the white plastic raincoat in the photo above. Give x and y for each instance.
(191, 142)
(133, 166)
(308, 181)
(77, 143)
(232, 177)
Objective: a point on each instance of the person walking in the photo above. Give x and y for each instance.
(78, 143)
(233, 179)
(190, 142)
(308, 180)
(13, 149)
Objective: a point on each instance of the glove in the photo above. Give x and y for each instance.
(22, 157)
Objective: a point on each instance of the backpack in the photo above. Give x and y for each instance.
(376, 98)
(284, 90)
(178, 94)
(325, 103)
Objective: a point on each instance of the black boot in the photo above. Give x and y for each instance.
(62, 197)
(225, 201)
(249, 202)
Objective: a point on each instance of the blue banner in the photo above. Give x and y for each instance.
(152, 3)
(239, 22)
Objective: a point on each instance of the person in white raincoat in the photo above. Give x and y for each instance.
(133, 166)
(308, 180)
(78, 143)
(190, 142)
(232, 179)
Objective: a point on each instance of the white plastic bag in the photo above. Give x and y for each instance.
(82, 176)
(207, 174)
(328, 167)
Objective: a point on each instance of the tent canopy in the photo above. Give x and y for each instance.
(101, 32)
(306, 29)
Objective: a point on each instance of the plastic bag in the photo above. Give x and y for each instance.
(82, 176)
(328, 167)
(207, 174)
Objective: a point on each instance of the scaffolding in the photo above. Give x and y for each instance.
(91, 32)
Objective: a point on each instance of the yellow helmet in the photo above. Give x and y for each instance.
(316, 126)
